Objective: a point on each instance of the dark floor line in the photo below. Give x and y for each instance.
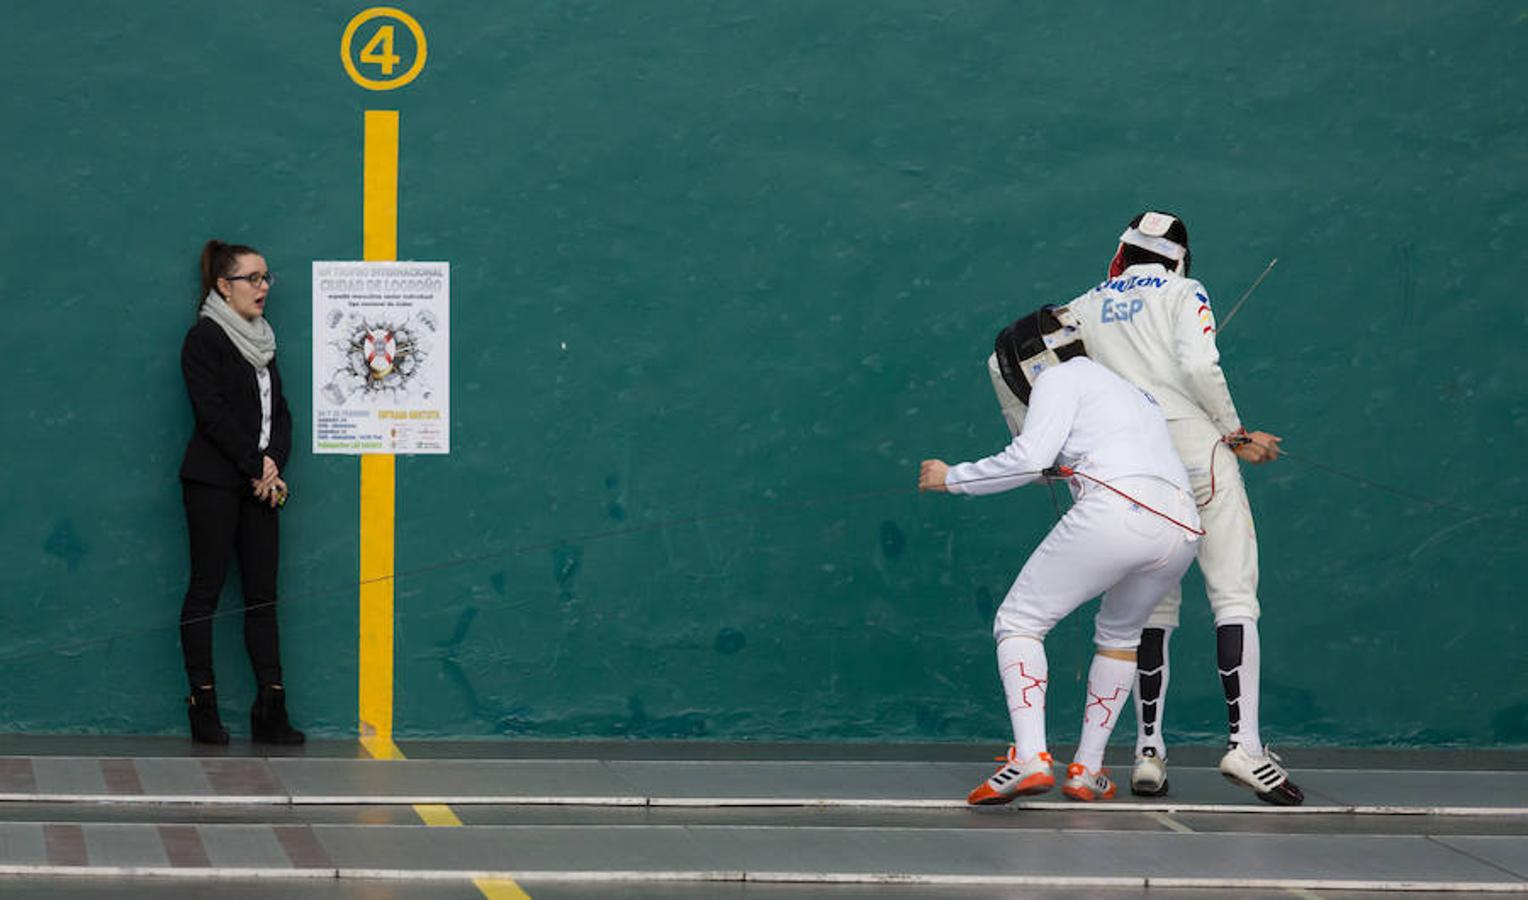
(1441, 842)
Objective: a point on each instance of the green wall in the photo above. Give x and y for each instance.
(777, 238)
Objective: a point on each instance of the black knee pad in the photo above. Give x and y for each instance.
(1229, 641)
(1149, 655)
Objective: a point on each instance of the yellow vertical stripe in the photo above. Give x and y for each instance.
(380, 210)
(380, 243)
(376, 617)
(379, 217)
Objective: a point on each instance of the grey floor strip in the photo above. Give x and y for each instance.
(16, 775)
(125, 846)
(66, 845)
(121, 776)
(68, 775)
(1508, 855)
(247, 777)
(302, 848)
(183, 846)
(732, 783)
(843, 856)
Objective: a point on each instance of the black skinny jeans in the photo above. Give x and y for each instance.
(222, 521)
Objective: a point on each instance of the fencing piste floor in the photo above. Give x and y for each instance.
(119, 817)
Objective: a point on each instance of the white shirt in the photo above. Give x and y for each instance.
(1157, 330)
(1085, 416)
(263, 381)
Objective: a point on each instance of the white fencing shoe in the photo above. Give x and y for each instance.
(1149, 777)
(1263, 774)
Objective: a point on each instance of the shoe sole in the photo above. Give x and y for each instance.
(1284, 794)
(1086, 795)
(1143, 791)
(1034, 784)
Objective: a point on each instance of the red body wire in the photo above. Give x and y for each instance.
(1068, 472)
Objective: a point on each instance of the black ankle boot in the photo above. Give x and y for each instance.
(268, 723)
(202, 707)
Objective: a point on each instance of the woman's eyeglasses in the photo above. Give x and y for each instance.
(254, 278)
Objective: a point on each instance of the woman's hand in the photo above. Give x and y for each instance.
(265, 485)
(278, 493)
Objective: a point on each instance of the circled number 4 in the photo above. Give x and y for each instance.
(379, 50)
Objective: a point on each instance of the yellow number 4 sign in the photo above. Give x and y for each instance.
(379, 50)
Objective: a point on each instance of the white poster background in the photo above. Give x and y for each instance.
(381, 357)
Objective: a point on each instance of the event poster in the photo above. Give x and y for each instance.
(381, 357)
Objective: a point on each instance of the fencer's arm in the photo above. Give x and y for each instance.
(1052, 409)
(1012, 407)
(1199, 359)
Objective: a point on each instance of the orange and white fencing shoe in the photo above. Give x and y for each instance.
(1087, 786)
(1014, 778)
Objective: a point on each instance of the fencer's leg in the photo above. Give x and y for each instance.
(1060, 575)
(1237, 652)
(1027, 767)
(1118, 627)
(1151, 678)
(1228, 561)
(1026, 673)
(1153, 673)
(1148, 778)
(1247, 762)
(1109, 680)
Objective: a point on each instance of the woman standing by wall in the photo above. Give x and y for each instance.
(232, 484)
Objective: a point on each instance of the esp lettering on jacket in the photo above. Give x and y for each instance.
(1124, 310)
(1121, 310)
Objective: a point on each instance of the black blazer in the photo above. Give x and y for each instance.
(225, 397)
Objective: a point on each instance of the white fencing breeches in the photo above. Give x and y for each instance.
(1228, 550)
(1104, 543)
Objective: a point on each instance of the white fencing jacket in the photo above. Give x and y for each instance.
(1085, 416)
(1156, 329)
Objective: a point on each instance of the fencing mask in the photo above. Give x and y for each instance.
(1161, 234)
(1046, 337)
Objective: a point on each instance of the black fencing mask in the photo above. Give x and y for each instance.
(1046, 337)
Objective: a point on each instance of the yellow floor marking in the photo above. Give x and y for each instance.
(381, 747)
(439, 815)
(500, 889)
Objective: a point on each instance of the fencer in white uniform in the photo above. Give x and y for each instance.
(1153, 324)
(1130, 535)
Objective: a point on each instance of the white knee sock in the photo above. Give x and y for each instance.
(1151, 677)
(1109, 683)
(1022, 665)
(1240, 657)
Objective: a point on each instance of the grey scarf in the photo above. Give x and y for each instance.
(255, 340)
